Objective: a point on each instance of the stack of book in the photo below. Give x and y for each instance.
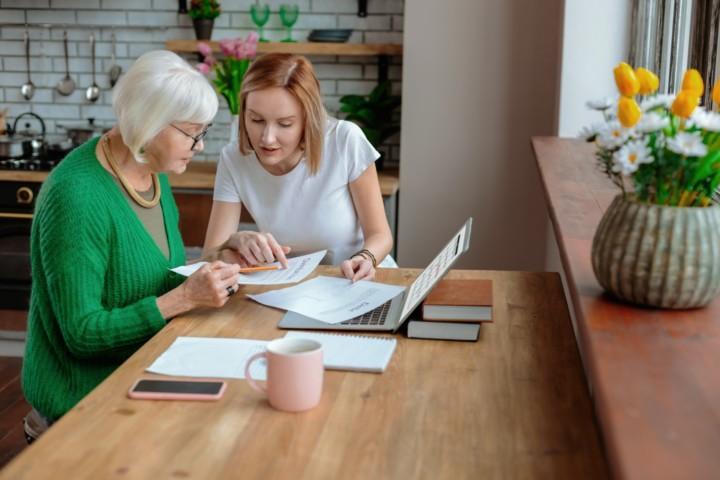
(454, 310)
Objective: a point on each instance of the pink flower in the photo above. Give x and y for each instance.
(209, 60)
(227, 46)
(203, 68)
(204, 49)
(252, 38)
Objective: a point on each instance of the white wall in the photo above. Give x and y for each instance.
(596, 38)
(481, 77)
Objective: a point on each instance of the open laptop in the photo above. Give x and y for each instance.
(391, 315)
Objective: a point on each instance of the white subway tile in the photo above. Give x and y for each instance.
(18, 64)
(328, 87)
(26, 3)
(398, 22)
(51, 16)
(335, 6)
(385, 6)
(9, 47)
(371, 22)
(13, 16)
(384, 37)
(152, 18)
(167, 5)
(57, 111)
(79, 4)
(97, 17)
(338, 71)
(102, 113)
(312, 21)
(137, 49)
(41, 95)
(127, 4)
(359, 87)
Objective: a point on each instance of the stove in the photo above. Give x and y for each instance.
(29, 164)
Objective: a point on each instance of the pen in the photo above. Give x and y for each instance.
(259, 269)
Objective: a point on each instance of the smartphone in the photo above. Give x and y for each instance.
(154, 389)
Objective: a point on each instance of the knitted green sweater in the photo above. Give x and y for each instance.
(96, 276)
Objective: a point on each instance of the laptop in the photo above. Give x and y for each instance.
(391, 315)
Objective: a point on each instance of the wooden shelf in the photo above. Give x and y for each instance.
(300, 48)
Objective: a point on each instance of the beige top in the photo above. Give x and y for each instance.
(151, 218)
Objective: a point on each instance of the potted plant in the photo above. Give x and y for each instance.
(658, 244)
(374, 113)
(203, 14)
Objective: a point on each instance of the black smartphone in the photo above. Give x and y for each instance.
(157, 389)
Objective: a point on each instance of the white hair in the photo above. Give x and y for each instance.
(160, 88)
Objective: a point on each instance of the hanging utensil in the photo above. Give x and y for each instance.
(115, 69)
(93, 91)
(66, 86)
(28, 88)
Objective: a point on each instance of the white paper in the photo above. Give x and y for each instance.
(298, 269)
(330, 299)
(211, 357)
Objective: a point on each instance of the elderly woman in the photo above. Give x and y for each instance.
(105, 235)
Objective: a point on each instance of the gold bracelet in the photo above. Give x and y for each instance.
(366, 254)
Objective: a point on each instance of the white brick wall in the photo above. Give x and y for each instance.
(338, 75)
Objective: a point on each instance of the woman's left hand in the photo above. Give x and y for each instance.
(358, 268)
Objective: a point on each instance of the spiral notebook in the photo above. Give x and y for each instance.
(352, 352)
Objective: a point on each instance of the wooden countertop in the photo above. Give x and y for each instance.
(299, 48)
(654, 373)
(199, 176)
(512, 405)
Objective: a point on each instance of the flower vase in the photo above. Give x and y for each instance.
(235, 129)
(657, 255)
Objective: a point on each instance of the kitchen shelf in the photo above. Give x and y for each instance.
(382, 50)
(300, 48)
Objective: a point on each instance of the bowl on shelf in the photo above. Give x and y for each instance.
(336, 35)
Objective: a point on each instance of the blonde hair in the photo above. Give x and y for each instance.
(295, 74)
(160, 88)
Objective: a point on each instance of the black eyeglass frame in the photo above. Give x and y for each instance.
(195, 138)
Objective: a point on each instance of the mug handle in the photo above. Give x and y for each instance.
(250, 380)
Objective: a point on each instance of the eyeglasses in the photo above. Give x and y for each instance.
(196, 138)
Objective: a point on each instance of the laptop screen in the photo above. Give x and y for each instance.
(437, 269)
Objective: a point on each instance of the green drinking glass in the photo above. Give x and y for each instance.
(288, 17)
(260, 15)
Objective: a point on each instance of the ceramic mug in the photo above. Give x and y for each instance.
(294, 373)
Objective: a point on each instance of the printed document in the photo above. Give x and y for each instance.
(298, 268)
(330, 299)
(211, 357)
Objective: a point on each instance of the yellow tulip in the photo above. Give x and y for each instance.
(716, 93)
(649, 82)
(693, 82)
(685, 103)
(625, 79)
(628, 112)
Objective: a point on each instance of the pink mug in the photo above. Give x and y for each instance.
(294, 373)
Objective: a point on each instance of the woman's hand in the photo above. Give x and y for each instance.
(255, 248)
(212, 285)
(358, 268)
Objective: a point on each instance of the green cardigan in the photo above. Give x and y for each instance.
(96, 275)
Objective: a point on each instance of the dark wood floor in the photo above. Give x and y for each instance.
(12, 409)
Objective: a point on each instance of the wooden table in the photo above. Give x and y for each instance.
(512, 405)
(654, 373)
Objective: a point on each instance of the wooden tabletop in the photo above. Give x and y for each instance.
(654, 373)
(199, 176)
(512, 405)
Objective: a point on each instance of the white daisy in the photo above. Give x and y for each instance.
(613, 135)
(601, 103)
(705, 120)
(687, 144)
(652, 122)
(662, 100)
(629, 158)
(588, 133)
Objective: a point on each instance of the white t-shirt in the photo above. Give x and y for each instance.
(306, 212)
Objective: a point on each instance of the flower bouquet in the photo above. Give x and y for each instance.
(658, 243)
(229, 70)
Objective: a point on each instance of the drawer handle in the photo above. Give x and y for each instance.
(24, 195)
(27, 216)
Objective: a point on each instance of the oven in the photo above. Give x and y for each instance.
(17, 200)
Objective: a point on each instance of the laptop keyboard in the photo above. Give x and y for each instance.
(373, 317)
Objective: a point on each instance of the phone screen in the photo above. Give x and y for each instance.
(178, 386)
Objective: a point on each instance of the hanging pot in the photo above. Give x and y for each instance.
(82, 132)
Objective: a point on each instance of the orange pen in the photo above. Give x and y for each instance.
(259, 269)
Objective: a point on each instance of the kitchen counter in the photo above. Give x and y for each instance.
(199, 176)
